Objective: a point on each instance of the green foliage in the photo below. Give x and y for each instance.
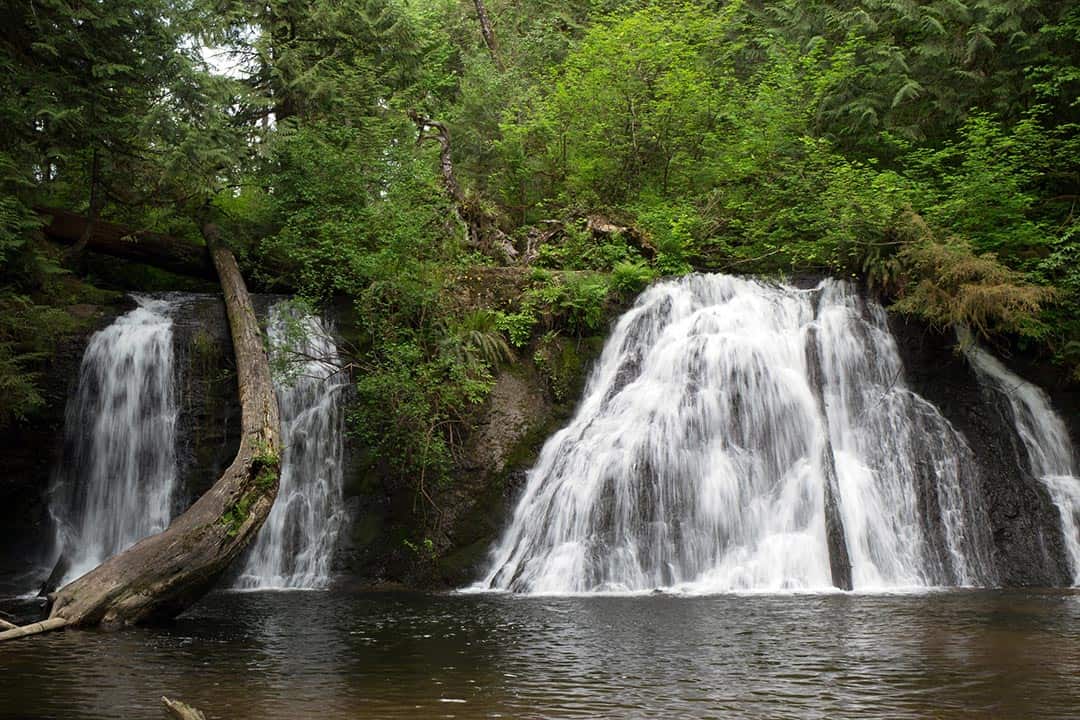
(1060, 269)
(265, 455)
(630, 278)
(17, 386)
(572, 301)
(28, 333)
(982, 185)
(237, 514)
(560, 364)
(931, 148)
(424, 549)
(475, 339)
(518, 326)
(580, 249)
(634, 105)
(675, 230)
(408, 406)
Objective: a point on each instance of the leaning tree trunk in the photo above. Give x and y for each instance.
(489, 34)
(163, 574)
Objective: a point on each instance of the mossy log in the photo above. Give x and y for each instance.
(162, 251)
(163, 574)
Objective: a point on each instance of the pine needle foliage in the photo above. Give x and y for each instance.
(951, 285)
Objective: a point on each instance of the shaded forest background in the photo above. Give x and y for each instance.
(390, 153)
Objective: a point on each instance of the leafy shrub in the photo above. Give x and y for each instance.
(630, 278)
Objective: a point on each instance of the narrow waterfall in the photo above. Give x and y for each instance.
(1051, 455)
(116, 482)
(295, 547)
(743, 435)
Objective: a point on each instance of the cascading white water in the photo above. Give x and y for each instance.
(116, 483)
(907, 478)
(1050, 451)
(294, 548)
(695, 460)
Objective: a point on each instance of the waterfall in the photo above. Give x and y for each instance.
(294, 548)
(116, 481)
(744, 435)
(1051, 456)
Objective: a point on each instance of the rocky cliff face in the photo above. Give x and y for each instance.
(399, 539)
(1028, 546)
(32, 448)
(209, 420)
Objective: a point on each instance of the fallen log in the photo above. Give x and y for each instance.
(5, 625)
(162, 251)
(600, 226)
(163, 574)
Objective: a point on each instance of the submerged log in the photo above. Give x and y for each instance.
(181, 710)
(163, 574)
(163, 251)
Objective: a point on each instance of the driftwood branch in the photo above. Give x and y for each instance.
(33, 629)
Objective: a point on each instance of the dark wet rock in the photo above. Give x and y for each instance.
(31, 448)
(1028, 546)
(209, 407)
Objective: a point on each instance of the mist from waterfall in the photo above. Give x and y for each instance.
(1050, 452)
(116, 482)
(294, 548)
(720, 415)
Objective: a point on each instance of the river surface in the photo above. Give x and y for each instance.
(956, 654)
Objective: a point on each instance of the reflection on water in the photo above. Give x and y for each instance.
(329, 655)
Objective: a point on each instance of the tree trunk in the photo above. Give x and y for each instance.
(163, 574)
(484, 232)
(428, 129)
(489, 34)
(75, 253)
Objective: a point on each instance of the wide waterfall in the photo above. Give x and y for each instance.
(295, 547)
(116, 481)
(1050, 452)
(743, 435)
